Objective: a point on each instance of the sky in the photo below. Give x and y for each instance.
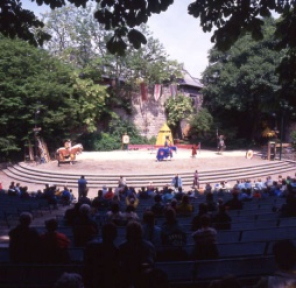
(179, 32)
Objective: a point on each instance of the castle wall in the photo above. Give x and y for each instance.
(149, 116)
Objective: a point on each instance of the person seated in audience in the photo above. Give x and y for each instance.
(130, 214)
(211, 204)
(284, 252)
(173, 204)
(234, 203)
(167, 196)
(158, 207)
(135, 256)
(165, 189)
(284, 188)
(241, 184)
(217, 187)
(151, 232)
(225, 187)
(277, 189)
(185, 208)
(268, 183)
(71, 214)
(249, 185)
(151, 190)
(115, 215)
(54, 245)
(202, 210)
(228, 281)
(179, 194)
(280, 179)
(109, 194)
(205, 240)
(84, 227)
(11, 189)
(131, 192)
(83, 199)
(66, 196)
(132, 200)
(101, 260)
(24, 194)
(245, 195)
(154, 278)
(50, 195)
(221, 220)
(173, 237)
(208, 188)
(24, 241)
(17, 189)
(116, 200)
(104, 189)
(259, 185)
(69, 280)
(257, 194)
(289, 208)
(143, 193)
(99, 203)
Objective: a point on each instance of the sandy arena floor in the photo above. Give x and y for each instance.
(144, 162)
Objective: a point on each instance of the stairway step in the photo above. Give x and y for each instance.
(24, 173)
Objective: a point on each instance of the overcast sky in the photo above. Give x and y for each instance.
(180, 34)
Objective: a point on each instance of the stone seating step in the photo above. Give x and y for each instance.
(23, 173)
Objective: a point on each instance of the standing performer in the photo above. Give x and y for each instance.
(194, 151)
(195, 179)
(167, 141)
(221, 144)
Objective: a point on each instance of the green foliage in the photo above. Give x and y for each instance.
(38, 90)
(241, 83)
(293, 139)
(107, 142)
(112, 139)
(178, 108)
(201, 122)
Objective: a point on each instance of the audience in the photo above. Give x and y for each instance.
(54, 245)
(24, 241)
(69, 280)
(136, 255)
(221, 220)
(285, 257)
(173, 238)
(84, 227)
(151, 232)
(132, 263)
(205, 240)
(101, 260)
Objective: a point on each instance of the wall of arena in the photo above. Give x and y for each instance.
(149, 116)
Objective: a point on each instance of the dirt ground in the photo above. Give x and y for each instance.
(144, 162)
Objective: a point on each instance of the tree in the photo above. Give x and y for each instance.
(177, 109)
(241, 83)
(38, 90)
(201, 122)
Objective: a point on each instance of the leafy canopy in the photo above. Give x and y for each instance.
(38, 90)
(178, 108)
(242, 81)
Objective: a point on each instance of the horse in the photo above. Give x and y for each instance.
(69, 153)
(165, 152)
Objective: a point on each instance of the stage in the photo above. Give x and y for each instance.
(144, 162)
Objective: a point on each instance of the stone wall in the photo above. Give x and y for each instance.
(149, 116)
